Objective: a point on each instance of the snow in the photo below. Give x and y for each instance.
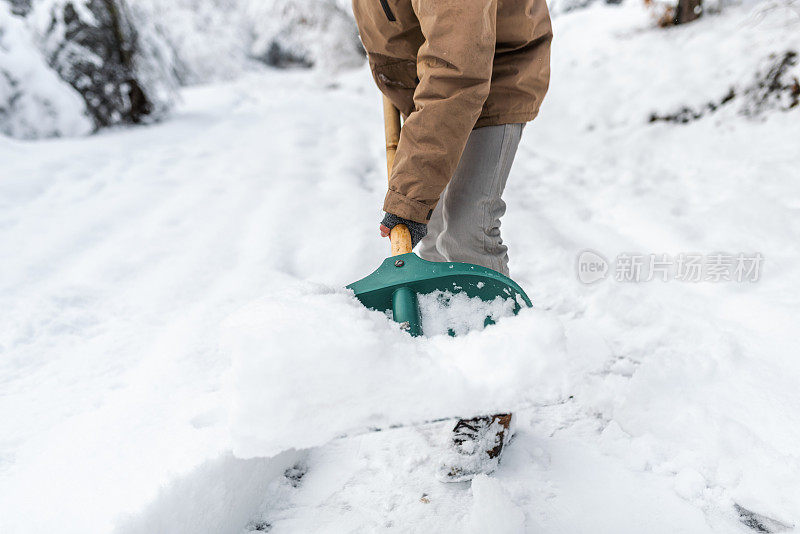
(109, 54)
(491, 501)
(219, 496)
(218, 40)
(443, 312)
(338, 353)
(57, 76)
(178, 354)
(316, 32)
(34, 102)
(382, 481)
(209, 37)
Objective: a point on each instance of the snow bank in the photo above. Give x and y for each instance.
(310, 363)
(600, 66)
(34, 102)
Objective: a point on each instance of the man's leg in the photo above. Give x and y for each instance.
(472, 205)
(465, 226)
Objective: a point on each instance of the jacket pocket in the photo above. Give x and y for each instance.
(397, 73)
(388, 10)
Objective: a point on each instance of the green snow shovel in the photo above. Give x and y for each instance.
(396, 283)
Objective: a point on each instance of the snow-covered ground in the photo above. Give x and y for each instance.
(177, 355)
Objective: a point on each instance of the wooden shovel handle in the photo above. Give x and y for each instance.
(391, 126)
(400, 237)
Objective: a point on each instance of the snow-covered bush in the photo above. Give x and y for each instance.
(210, 38)
(776, 85)
(34, 102)
(304, 33)
(20, 7)
(111, 55)
(219, 39)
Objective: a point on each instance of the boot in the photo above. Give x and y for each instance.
(476, 447)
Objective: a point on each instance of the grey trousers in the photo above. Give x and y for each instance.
(465, 225)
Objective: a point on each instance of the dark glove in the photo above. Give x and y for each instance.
(418, 230)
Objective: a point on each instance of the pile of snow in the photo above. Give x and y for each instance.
(444, 313)
(34, 102)
(310, 363)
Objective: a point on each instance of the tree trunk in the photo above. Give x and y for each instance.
(688, 10)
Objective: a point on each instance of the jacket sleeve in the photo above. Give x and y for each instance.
(454, 65)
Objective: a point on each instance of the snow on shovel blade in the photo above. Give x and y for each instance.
(395, 284)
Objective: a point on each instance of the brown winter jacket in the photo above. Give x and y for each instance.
(450, 66)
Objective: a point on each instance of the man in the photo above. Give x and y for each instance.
(466, 75)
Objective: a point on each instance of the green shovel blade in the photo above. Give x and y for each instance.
(395, 284)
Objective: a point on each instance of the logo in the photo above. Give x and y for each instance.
(592, 267)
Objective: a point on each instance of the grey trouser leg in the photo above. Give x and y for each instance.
(465, 225)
